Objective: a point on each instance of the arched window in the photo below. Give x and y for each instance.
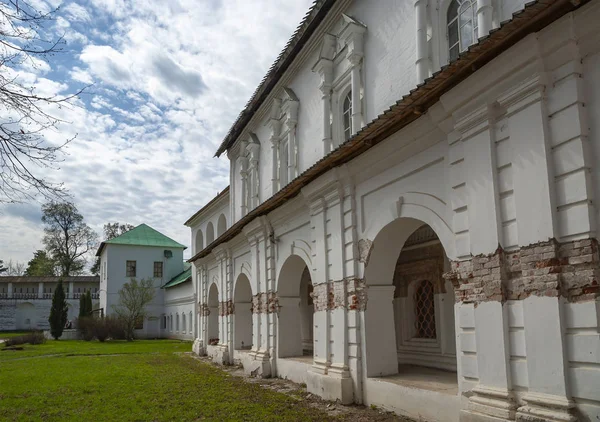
(191, 321)
(462, 26)
(177, 322)
(183, 323)
(424, 306)
(347, 115)
(210, 233)
(199, 241)
(221, 225)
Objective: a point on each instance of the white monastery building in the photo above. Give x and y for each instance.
(144, 253)
(410, 221)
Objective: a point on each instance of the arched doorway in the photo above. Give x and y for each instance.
(212, 328)
(409, 318)
(295, 323)
(242, 318)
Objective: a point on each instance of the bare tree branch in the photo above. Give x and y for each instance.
(26, 116)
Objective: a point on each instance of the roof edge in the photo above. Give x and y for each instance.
(208, 204)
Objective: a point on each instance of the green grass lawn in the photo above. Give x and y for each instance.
(9, 334)
(145, 380)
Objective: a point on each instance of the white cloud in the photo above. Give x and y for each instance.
(169, 79)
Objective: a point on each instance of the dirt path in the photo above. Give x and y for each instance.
(298, 392)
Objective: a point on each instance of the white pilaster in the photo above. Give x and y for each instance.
(422, 48)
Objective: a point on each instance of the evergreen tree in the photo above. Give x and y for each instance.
(88, 303)
(82, 306)
(58, 312)
(41, 265)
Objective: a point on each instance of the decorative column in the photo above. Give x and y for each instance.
(275, 134)
(324, 67)
(254, 153)
(422, 48)
(290, 107)
(484, 17)
(330, 374)
(263, 300)
(10, 290)
(41, 290)
(353, 34)
(244, 187)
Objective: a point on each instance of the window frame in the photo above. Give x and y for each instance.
(347, 130)
(474, 33)
(154, 269)
(128, 268)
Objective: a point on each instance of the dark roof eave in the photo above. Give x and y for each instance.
(535, 16)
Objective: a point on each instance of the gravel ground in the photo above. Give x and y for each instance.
(298, 392)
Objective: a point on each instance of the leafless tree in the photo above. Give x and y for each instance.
(133, 299)
(26, 115)
(12, 268)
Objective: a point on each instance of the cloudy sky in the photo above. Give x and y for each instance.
(168, 78)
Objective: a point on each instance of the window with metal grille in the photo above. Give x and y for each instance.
(158, 269)
(462, 26)
(130, 269)
(424, 311)
(347, 115)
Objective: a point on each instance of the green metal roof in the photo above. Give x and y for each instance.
(142, 235)
(186, 275)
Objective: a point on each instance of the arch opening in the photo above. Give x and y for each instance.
(409, 318)
(213, 316)
(210, 233)
(199, 241)
(221, 225)
(296, 310)
(242, 318)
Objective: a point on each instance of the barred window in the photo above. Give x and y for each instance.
(424, 311)
(158, 269)
(130, 271)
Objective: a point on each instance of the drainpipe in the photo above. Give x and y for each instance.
(484, 17)
(422, 50)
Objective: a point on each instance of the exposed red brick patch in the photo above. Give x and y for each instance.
(549, 269)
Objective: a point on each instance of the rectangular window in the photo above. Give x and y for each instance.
(139, 323)
(130, 269)
(158, 269)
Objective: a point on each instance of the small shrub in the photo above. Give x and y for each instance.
(101, 329)
(116, 327)
(36, 337)
(86, 328)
